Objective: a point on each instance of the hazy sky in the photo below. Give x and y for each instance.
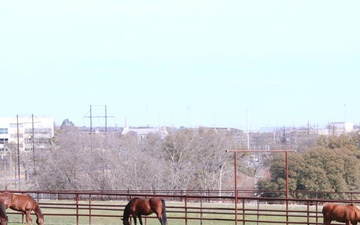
(182, 63)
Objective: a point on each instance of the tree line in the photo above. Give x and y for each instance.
(190, 159)
(183, 160)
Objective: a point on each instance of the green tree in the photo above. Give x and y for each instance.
(332, 166)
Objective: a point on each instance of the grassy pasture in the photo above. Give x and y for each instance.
(110, 212)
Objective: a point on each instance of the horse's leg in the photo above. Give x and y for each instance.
(134, 217)
(327, 221)
(28, 217)
(139, 216)
(140, 219)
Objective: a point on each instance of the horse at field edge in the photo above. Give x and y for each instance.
(145, 206)
(349, 214)
(23, 203)
(3, 217)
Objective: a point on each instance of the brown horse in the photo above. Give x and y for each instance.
(349, 214)
(145, 206)
(23, 203)
(3, 216)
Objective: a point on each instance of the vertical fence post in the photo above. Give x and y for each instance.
(186, 215)
(77, 208)
(287, 186)
(90, 209)
(308, 212)
(257, 211)
(317, 210)
(243, 210)
(236, 190)
(201, 211)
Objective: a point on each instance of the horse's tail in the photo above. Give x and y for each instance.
(164, 220)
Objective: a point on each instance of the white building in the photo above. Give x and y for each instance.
(25, 132)
(337, 128)
(142, 132)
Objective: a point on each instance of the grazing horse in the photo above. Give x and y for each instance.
(3, 216)
(23, 203)
(145, 206)
(349, 214)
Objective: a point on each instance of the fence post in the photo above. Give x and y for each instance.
(77, 208)
(90, 209)
(317, 215)
(257, 211)
(201, 211)
(243, 210)
(186, 216)
(308, 212)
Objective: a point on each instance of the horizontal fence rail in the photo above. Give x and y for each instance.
(183, 207)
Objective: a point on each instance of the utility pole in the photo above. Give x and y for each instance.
(18, 150)
(236, 182)
(24, 143)
(33, 140)
(248, 131)
(90, 120)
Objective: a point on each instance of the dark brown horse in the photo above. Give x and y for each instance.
(23, 203)
(3, 216)
(145, 206)
(349, 214)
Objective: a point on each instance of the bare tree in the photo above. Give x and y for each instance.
(184, 159)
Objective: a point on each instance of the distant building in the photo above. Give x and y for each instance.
(332, 128)
(337, 128)
(142, 132)
(25, 132)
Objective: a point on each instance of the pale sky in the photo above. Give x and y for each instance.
(182, 63)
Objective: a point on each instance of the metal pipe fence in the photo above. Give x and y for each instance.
(189, 208)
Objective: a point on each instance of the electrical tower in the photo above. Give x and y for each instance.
(101, 115)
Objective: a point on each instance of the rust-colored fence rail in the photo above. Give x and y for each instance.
(189, 208)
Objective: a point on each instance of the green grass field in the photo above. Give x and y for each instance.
(207, 216)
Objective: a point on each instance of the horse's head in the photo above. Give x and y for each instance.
(40, 220)
(125, 222)
(4, 220)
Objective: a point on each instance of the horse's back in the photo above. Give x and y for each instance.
(139, 206)
(18, 202)
(145, 206)
(340, 213)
